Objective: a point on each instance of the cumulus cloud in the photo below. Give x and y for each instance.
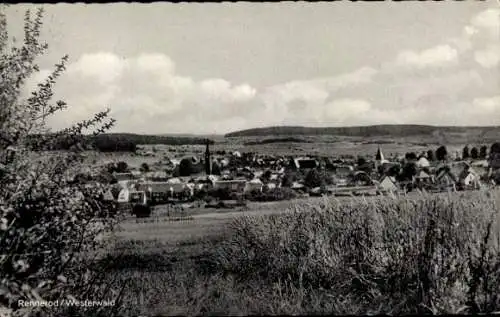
(488, 57)
(443, 84)
(343, 109)
(145, 94)
(105, 67)
(488, 105)
(442, 55)
(488, 20)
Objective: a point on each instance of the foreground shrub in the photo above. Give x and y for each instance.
(428, 254)
(49, 225)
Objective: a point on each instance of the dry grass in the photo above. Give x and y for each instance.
(427, 254)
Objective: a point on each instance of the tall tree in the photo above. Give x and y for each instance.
(430, 155)
(474, 153)
(483, 152)
(495, 148)
(361, 161)
(409, 170)
(465, 152)
(45, 232)
(145, 168)
(186, 167)
(411, 156)
(441, 153)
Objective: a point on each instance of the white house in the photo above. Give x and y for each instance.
(297, 185)
(254, 184)
(135, 196)
(423, 163)
(235, 185)
(388, 184)
(469, 179)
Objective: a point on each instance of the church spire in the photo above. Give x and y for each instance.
(208, 161)
(379, 156)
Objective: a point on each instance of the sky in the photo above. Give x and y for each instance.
(214, 68)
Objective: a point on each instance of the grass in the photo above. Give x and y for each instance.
(388, 255)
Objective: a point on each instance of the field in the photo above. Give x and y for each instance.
(316, 145)
(418, 254)
(394, 255)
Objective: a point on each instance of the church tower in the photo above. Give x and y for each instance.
(208, 162)
(379, 158)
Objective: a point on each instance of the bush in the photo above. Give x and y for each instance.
(275, 194)
(384, 256)
(145, 168)
(220, 193)
(317, 178)
(48, 225)
(185, 167)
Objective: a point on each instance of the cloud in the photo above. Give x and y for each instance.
(343, 109)
(105, 67)
(488, 57)
(452, 82)
(488, 20)
(221, 90)
(155, 63)
(487, 105)
(442, 55)
(145, 94)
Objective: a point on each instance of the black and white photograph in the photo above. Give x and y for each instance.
(250, 158)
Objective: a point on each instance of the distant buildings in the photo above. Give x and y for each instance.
(247, 172)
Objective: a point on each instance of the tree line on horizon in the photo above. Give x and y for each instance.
(360, 131)
(121, 142)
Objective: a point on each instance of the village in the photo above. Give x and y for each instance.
(227, 180)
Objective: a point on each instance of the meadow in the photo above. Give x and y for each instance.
(426, 254)
(316, 146)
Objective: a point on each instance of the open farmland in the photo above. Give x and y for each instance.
(316, 147)
(354, 257)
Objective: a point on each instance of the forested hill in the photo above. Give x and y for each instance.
(153, 139)
(362, 131)
(112, 142)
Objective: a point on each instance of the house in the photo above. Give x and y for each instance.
(123, 176)
(254, 185)
(305, 163)
(124, 179)
(131, 196)
(341, 182)
(273, 185)
(422, 177)
(156, 175)
(154, 187)
(480, 163)
(469, 179)
(423, 163)
(344, 171)
(388, 184)
(235, 185)
(297, 186)
(163, 190)
(205, 181)
(445, 179)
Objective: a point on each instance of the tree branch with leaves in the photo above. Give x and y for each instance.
(48, 224)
